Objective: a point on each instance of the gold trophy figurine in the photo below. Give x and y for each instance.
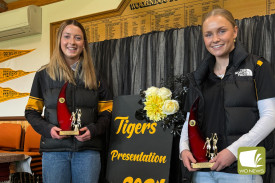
(73, 118)
(211, 152)
(214, 138)
(208, 146)
(215, 141)
(77, 124)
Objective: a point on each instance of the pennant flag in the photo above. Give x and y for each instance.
(9, 54)
(9, 74)
(8, 94)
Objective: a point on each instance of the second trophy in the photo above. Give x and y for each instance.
(203, 149)
(68, 122)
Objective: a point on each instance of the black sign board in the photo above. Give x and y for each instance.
(139, 151)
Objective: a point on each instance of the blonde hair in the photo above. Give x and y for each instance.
(58, 69)
(221, 12)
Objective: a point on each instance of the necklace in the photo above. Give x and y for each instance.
(220, 68)
(220, 76)
(220, 73)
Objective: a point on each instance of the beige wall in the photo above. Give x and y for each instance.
(41, 42)
(51, 13)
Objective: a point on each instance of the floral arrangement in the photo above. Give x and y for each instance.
(165, 105)
(158, 103)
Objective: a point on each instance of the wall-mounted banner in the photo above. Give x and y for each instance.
(8, 94)
(139, 151)
(7, 74)
(15, 82)
(9, 54)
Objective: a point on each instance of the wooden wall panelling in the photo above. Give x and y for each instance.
(136, 17)
(87, 19)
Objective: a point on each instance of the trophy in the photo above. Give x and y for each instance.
(201, 148)
(77, 124)
(68, 122)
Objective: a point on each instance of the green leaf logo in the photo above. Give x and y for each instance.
(251, 160)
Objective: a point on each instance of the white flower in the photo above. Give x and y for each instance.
(165, 93)
(151, 91)
(170, 107)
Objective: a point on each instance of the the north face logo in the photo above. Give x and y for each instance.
(244, 72)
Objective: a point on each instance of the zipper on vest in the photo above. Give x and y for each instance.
(224, 113)
(74, 109)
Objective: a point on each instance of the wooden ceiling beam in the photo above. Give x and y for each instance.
(22, 3)
(3, 6)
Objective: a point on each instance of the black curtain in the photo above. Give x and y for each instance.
(138, 62)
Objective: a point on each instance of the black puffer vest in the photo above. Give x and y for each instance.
(77, 97)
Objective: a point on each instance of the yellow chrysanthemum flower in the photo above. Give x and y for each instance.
(153, 106)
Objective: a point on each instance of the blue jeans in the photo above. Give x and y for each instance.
(67, 167)
(221, 177)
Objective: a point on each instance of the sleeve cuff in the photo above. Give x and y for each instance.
(92, 129)
(233, 149)
(184, 145)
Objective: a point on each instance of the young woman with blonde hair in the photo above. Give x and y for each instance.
(70, 158)
(236, 92)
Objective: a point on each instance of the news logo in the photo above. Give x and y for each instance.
(251, 160)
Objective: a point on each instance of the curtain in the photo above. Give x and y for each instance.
(138, 62)
(257, 36)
